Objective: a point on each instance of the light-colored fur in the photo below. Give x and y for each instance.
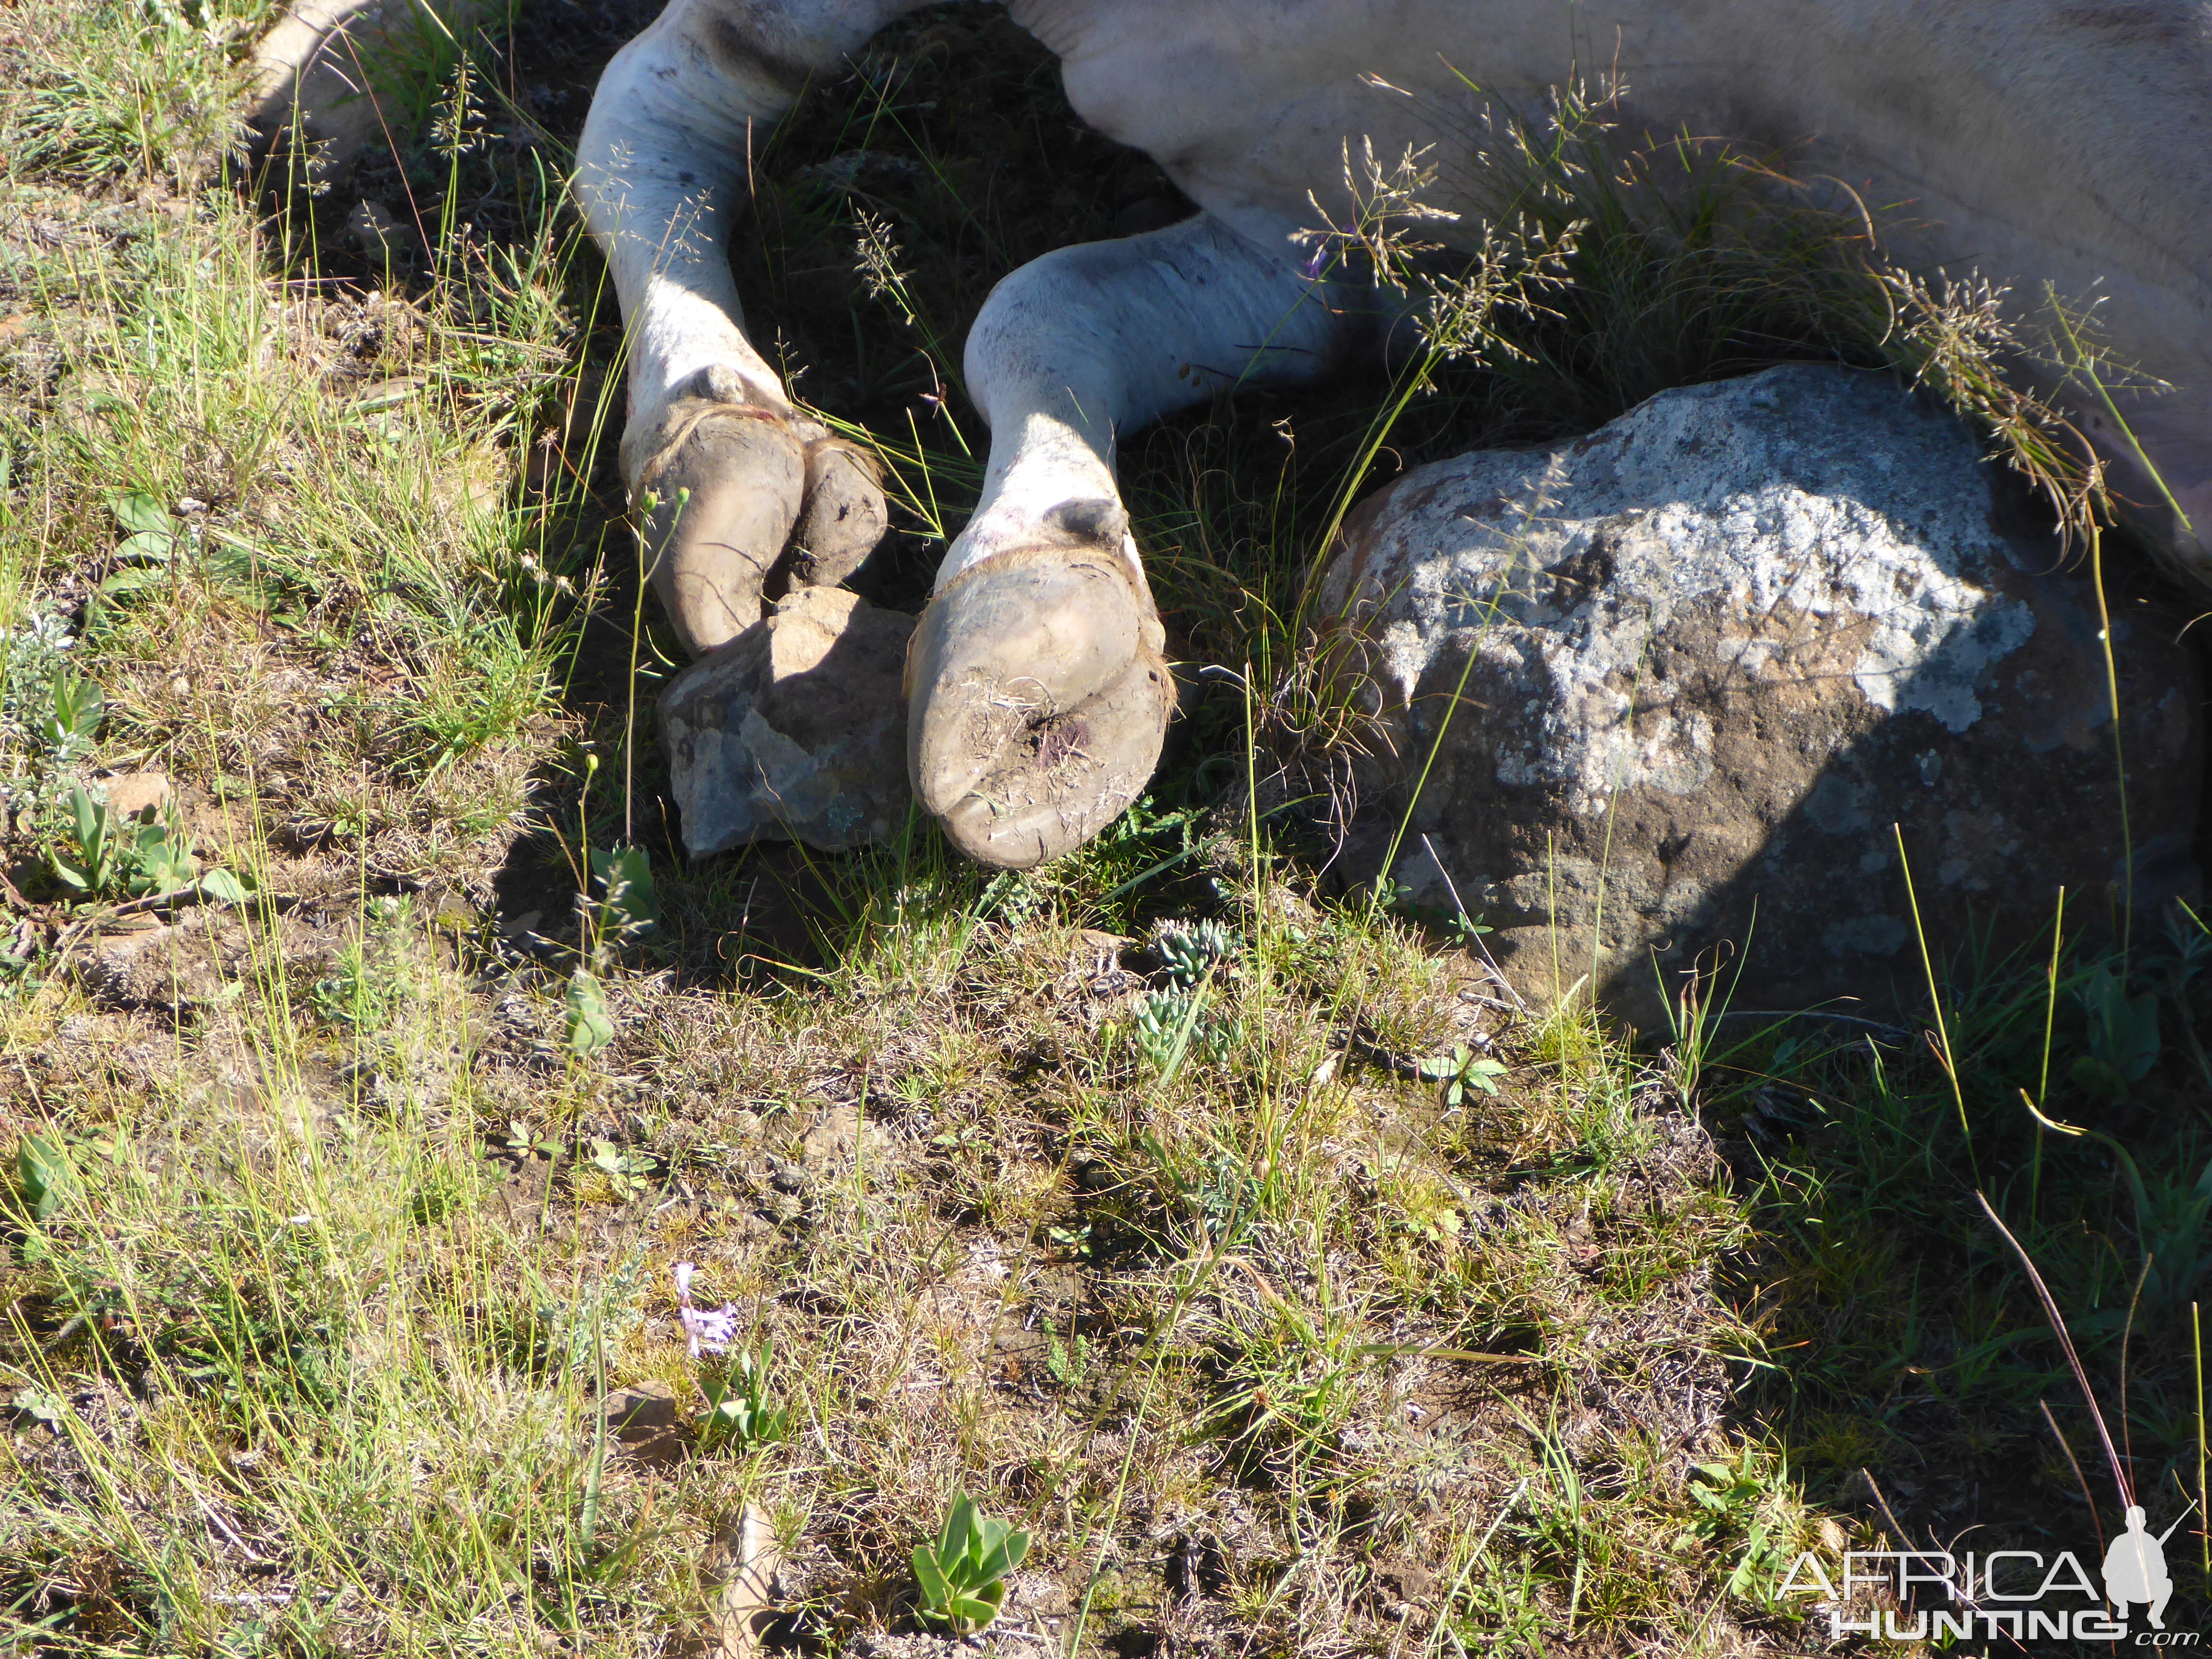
(2041, 143)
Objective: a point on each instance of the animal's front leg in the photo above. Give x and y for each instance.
(1037, 693)
(748, 493)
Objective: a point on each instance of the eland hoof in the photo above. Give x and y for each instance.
(1037, 700)
(748, 503)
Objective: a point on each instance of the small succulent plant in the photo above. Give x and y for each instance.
(1187, 950)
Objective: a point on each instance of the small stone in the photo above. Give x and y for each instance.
(133, 794)
(636, 1412)
(795, 730)
(1412, 1582)
(1103, 944)
(645, 1421)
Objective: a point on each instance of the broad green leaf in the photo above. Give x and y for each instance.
(959, 1529)
(935, 1592)
(973, 1612)
(1004, 1552)
(590, 1027)
(140, 514)
(39, 1405)
(44, 1168)
(223, 887)
(151, 546)
(131, 580)
(2094, 1076)
(77, 707)
(625, 875)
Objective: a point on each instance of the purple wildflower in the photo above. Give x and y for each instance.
(710, 1333)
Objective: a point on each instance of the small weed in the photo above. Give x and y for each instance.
(1172, 1024)
(1465, 930)
(1747, 1501)
(626, 910)
(522, 1141)
(44, 1176)
(2123, 1036)
(1223, 1196)
(962, 1577)
(72, 721)
(1462, 1072)
(148, 551)
(47, 709)
(1077, 1241)
(591, 1026)
(628, 907)
(374, 977)
(1068, 1362)
(105, 860)
(442, 1196)
(1190, 952)
(628, 1172)
(89, 865)
(739, 1417)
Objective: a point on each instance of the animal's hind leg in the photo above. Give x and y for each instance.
(1037, 693)
(747, 493)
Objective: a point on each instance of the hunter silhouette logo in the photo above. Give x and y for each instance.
(2135, 1570)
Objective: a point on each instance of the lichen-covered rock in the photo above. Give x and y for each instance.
(795, 730)
(1673, 683)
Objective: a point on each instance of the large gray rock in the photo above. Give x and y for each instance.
(795, 730)
(1711, 653)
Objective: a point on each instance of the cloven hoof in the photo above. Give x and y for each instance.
(749, 503)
